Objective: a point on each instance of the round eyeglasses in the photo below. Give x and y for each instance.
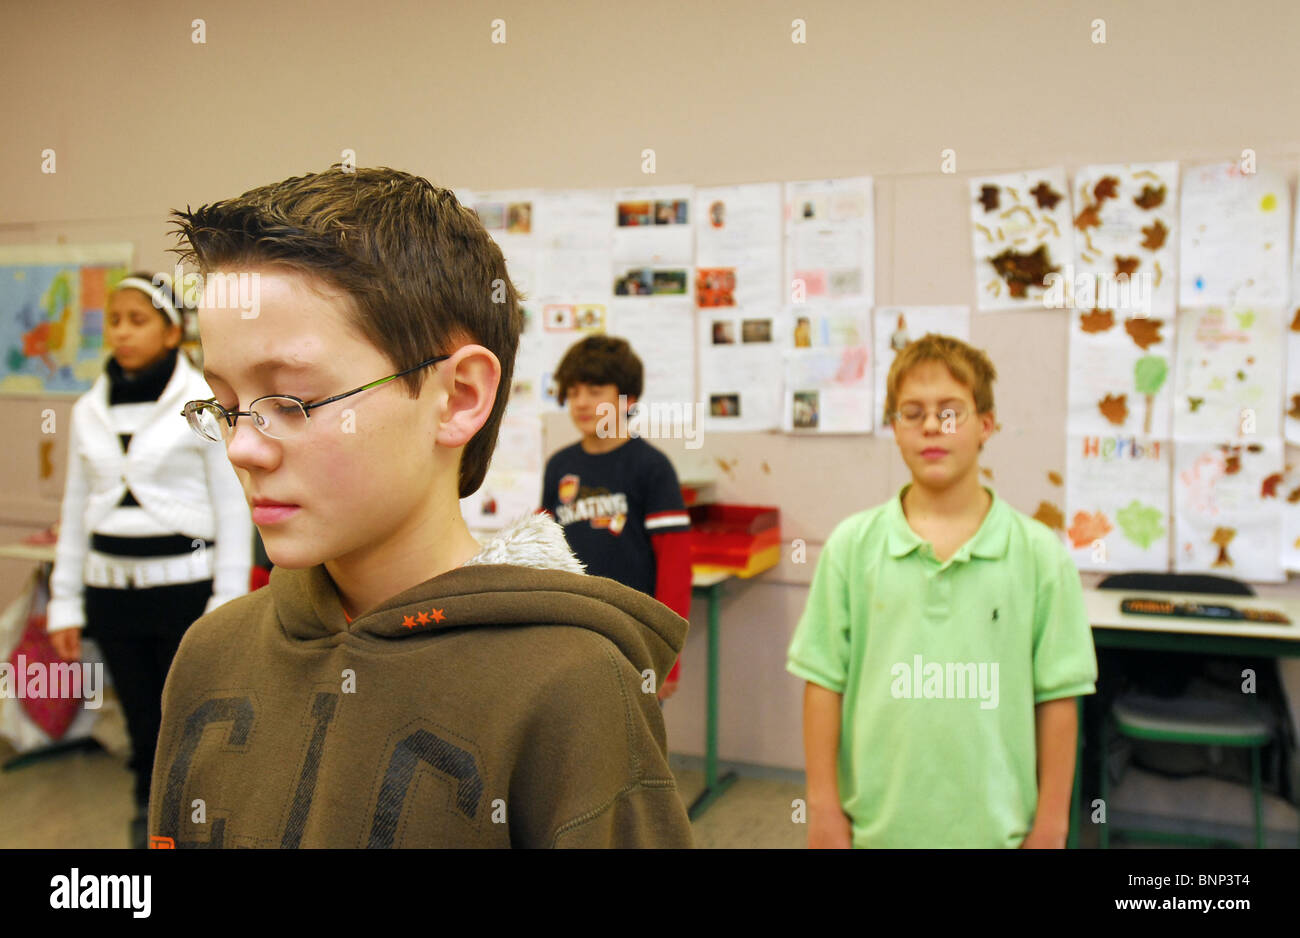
(279, 416)
(913, 415)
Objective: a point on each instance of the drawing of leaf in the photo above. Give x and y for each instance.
(1088, 218)
(1099, 320)
(1155, 235)
(1045, 195)
(1114, 408)
(1088, 527)
(1151, 197)
(1140, 524)
(1144, 331)
(1106, 188)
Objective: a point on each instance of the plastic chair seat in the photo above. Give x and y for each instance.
(1191, 719)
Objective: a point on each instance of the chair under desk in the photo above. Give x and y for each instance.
(1112, 628)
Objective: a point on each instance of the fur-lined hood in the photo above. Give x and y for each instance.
(533, 541)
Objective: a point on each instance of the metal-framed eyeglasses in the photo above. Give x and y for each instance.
(279, 416)
(912, 415)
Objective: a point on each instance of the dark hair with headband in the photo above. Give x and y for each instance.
(157, 290)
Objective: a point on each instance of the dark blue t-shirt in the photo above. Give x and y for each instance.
(610, 504)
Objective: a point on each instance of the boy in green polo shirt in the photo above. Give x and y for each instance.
(943, 644)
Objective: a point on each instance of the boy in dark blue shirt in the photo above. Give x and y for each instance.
(618, 497)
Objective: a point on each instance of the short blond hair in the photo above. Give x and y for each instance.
(969, 366)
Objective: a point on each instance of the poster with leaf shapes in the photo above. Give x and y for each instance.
(1120, 374)
(1125, 235)
(1117, 502)
(1228, 374)
(1021, 231)
(1228, 499)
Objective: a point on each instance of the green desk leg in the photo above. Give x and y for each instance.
(1076, 799)
(713, 786)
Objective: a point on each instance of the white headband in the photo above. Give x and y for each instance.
(160, 300)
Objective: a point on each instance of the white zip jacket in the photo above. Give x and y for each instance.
(186, 485)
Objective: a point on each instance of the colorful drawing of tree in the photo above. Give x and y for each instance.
(1149, 375)
(1140, 524)
(1223, 537)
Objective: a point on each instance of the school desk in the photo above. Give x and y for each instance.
(1114, 629)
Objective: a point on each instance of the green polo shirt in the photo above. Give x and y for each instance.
(940, 666)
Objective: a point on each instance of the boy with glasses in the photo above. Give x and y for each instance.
(943, 644)
(396, 683)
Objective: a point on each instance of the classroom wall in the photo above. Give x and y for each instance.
(143, 120)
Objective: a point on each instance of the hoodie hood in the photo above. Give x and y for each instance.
(525, 576)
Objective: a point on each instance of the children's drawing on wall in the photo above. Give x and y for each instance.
(1234, 226)
(1125, 239)
(1117, 502)
(1229, 374)
(1119, 374)
(1228, 517)
(830, 240)
(1021, 232)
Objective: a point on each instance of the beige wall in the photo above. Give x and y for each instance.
(143, 120)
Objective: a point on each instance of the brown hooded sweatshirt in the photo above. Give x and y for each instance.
(506, 703)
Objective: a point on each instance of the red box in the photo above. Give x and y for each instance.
(729, 535)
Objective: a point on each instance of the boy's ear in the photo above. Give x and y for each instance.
(469, 379)
(988, 424)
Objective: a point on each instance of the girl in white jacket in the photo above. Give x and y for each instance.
(155, 530)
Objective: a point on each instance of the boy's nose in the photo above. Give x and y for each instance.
(247, 447)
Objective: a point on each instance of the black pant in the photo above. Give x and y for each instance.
(138, 631)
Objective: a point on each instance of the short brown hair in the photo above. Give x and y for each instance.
(422, 273)
(600, 359)
(969, 366)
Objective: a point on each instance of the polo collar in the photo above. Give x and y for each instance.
(989, 542)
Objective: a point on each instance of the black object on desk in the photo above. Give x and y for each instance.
(1191, 610)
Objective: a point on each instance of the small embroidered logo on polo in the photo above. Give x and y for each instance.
(423, 618)
(995, 613)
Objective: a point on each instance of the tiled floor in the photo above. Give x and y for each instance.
(83, 800)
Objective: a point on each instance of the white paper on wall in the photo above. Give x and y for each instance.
(653, 242)
(740, 368)
(1228, 374)
(830, 241)
(662, 334)
(1235, 237)
(1227, 515)
(576, 229)
(827, 390)
(738, 245)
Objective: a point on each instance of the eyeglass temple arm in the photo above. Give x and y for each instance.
(373, 384)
